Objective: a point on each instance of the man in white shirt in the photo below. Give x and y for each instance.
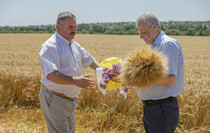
(160, 110)
(62, 60)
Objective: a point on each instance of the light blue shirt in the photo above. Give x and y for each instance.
(69, 58)
(172, 49)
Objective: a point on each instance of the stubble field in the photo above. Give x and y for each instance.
(20, 73)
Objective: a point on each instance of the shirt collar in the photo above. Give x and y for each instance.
(158, 39)
(63, 40)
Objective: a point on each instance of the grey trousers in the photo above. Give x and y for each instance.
(59, 113)
(161, 118)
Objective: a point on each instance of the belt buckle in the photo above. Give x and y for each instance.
(149, 102)
(145, 103)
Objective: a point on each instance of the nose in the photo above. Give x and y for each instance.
(74, 29)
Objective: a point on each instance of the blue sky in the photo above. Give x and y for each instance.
(43, 12)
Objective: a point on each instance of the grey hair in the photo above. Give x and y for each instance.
(62, 16)
(147, 19)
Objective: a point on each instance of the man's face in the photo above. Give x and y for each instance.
(67, 28)
(148, 34)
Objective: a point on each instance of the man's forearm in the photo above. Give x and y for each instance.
(95, 65)
(60, 78)
(169, 80)
(80, 81)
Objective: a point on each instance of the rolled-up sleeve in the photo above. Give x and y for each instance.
(49, 59)
(86, 57)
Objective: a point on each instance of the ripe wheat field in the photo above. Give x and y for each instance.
(20, 73)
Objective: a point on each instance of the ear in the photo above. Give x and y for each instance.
(154, 26)
(58, 27)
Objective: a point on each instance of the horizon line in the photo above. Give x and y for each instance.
(110, 22)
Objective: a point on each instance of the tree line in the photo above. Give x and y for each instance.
(191, 28)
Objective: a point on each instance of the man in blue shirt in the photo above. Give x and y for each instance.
(160, 110)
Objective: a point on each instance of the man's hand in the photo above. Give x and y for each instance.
(83, 81)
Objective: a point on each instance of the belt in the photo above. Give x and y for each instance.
(159, 101)
(57, 93)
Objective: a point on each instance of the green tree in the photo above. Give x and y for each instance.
(191, 31)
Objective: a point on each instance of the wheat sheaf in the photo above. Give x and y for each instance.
(143, 68)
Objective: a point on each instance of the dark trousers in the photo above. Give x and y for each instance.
(162, 117)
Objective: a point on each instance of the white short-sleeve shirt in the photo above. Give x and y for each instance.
(69, 58)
